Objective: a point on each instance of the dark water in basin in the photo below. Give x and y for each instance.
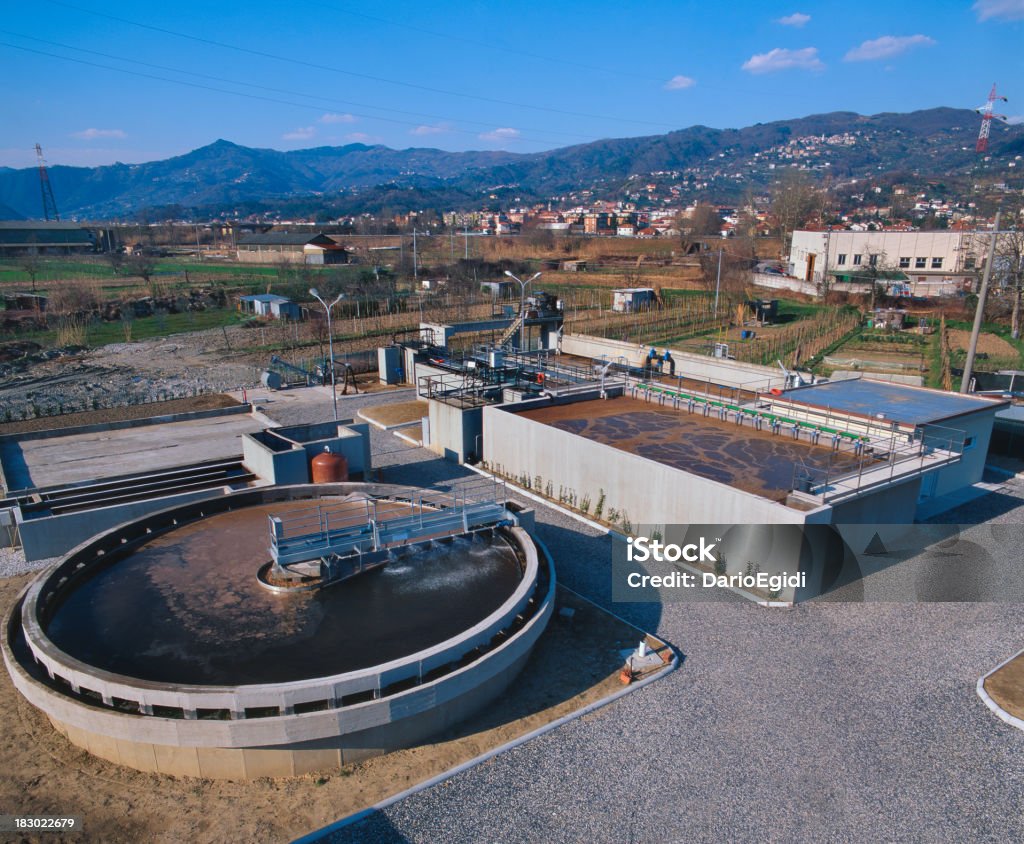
(187, 608)
(756, 461)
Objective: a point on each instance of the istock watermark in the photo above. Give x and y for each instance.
(844, 562)
(640, 549)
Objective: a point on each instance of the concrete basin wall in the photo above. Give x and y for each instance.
(271, 729)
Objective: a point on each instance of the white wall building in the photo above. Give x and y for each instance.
(933, 262)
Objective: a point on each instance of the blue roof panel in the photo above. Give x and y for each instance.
(899, 402)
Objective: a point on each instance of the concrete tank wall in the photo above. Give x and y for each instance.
(405, 707)
(646, 491)
(454, 430)
(701, 367)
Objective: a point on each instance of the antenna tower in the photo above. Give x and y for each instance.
(49, 203)
(987, 113)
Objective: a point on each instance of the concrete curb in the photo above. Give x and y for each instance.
(986, 698)
(407, 439)
(318, 835)
(384, 427)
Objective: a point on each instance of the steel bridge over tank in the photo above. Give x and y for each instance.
(320, 532)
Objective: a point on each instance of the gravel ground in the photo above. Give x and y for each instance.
(131, 373)
(830, 721)
(12, 562)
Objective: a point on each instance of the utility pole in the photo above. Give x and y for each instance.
(465, 236)
(979, 314)
(415, 261)
(718, 279)
(824, 271)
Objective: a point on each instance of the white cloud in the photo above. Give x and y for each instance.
(1009, 10)
(782, 59)
(302, 133)
(886, 47)
(797, 19)
(333, 117)
(360, 138)
(502, 134)
(1016, 120)
(95, 134)
(439, 129)
(678, 83)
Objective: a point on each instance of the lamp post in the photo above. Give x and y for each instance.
(522, 303)
(330, 343)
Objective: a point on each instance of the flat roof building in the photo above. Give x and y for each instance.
(929, 262)
(44, 238)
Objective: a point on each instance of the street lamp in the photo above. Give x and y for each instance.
(330, 343)
(522, 303)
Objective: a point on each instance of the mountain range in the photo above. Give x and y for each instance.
(224, 177)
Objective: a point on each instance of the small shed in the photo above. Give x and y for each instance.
(270, 305)
(629, 299)
(574, 266)
(888, 318)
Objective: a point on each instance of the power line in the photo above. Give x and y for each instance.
(332, 69)
(234, 93)
(328, 100)
(489, 46)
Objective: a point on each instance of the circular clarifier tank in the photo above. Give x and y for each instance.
(155, 646)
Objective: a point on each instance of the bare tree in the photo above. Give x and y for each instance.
(115, 258)
(144, 266)
(32, 263)
(1009, 263)
(796, 202)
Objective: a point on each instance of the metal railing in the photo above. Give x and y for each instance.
(880, 461)
(370, 525)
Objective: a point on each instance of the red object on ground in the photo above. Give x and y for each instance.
(328, 468)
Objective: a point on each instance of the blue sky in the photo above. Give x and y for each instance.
(95, 81)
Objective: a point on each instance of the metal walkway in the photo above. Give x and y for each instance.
(321, 532)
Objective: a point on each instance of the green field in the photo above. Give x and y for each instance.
(144, 328)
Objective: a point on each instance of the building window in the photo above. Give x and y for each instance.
(936, 263)
(920, 263)
(873, 260)
(842, 259)
(904, 263)
(969, 443)
(856, 260)
(969, 263)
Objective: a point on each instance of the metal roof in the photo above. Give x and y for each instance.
(898, 402)
(44, 234)
(867, 274)
(266, 297)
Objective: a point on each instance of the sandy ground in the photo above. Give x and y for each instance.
(576, 663)
(988, 344)
(394, 415)
(1006, 687)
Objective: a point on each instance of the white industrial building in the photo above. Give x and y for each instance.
(930, 263)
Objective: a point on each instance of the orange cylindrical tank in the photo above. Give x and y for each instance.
(328, 468)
